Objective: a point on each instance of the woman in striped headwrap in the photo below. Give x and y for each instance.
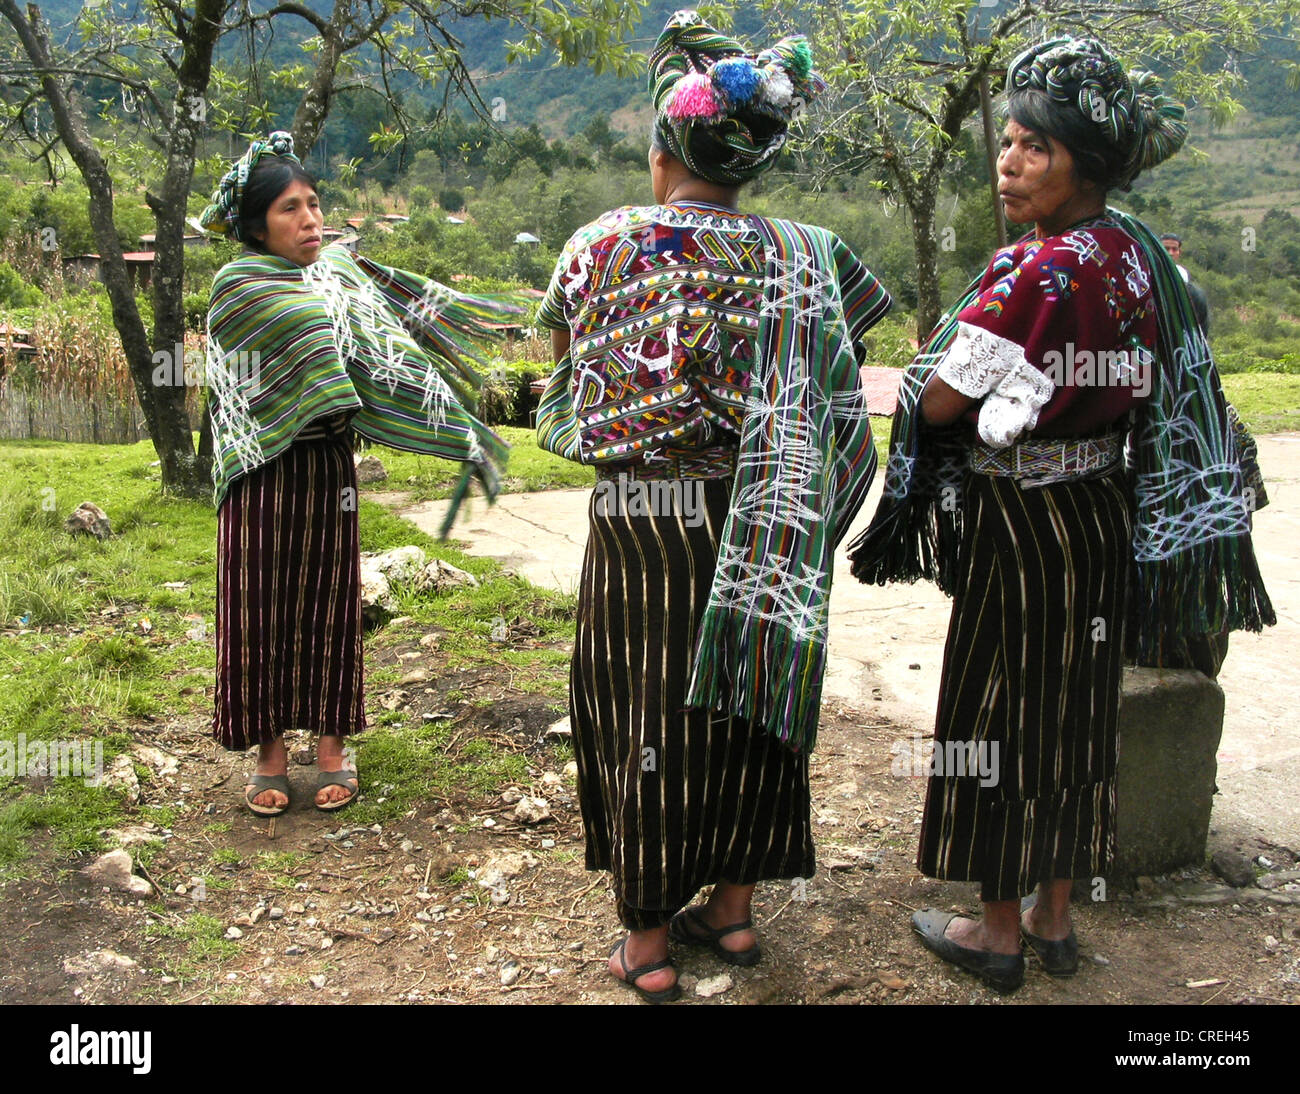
(1007, 484)
(306, 346)
(707, 366)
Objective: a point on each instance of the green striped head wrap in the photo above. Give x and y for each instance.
(221, 217)
(720, 110)
(1131, 114)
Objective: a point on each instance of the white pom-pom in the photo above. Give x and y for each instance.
(777, 88)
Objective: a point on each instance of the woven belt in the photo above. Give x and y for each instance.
(1037, 463)
(706, 463)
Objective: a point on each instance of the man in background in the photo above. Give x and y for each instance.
(1173, 245)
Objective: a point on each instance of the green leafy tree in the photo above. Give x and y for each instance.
(906, 78)
(159, 59)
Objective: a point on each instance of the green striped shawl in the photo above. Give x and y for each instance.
(288, 345)
(805, 463)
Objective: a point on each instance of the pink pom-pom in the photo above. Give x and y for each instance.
(693, 97)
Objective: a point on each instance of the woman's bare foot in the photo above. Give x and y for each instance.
(332, 756)
(645, 948)
(272, 759)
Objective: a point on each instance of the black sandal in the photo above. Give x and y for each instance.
(631, 976)
(344, 777)
(688, 926)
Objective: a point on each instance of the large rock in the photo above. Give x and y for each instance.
(370, 469)
(399, 564)
(376, 596)
(1170, 723)
(439, 576)
(88, 519)
(115, 870)
(121, 776)
(501, 866)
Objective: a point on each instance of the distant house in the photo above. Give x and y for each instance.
(81, 268)
(195, 239)
(15, 344)
(140, 266)
(88, 267)
(350, 241)
(396, 218)
(455, 220)
(527, 237)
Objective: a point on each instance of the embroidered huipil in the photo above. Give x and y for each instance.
(1075, 310)
(663, 304)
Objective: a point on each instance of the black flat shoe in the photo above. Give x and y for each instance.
(1058, 958)
(1003, 972)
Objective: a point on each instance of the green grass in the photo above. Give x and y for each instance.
(107, 646)
(1267, 402)
(203, 936)
(411, 765)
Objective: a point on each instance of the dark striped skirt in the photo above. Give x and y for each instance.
(671, 799)
(289, 598)
(1031, 688)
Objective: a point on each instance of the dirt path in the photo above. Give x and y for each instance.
(316, 909)
(886, 644)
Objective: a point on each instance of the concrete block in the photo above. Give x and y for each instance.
(1170, 723)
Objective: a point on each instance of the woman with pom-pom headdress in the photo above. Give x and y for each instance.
(709, 360)
(1063, 463)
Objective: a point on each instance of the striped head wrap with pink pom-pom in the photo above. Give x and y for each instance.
(720, 110)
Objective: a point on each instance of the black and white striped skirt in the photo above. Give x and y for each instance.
(289, 598)
(671, 799)
(1031, 688)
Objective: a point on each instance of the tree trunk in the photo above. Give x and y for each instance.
(193, 474)
(167, 425)
(309, 118)
(926, 248)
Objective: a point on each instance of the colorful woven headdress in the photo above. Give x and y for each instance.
(721, 111)
(1128, 109)
(221, 217)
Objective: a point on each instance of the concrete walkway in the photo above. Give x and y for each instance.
(886, 643)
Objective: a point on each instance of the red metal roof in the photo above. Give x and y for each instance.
(880, 385)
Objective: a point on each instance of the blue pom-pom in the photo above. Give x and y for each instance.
(737, 79)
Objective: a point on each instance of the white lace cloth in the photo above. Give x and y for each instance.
(977, 361)
(1012, 407)
(984, 365)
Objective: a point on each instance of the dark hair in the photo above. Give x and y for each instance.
(1171, 235)
(272, 176)
(1095, 158)
(709, 143)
